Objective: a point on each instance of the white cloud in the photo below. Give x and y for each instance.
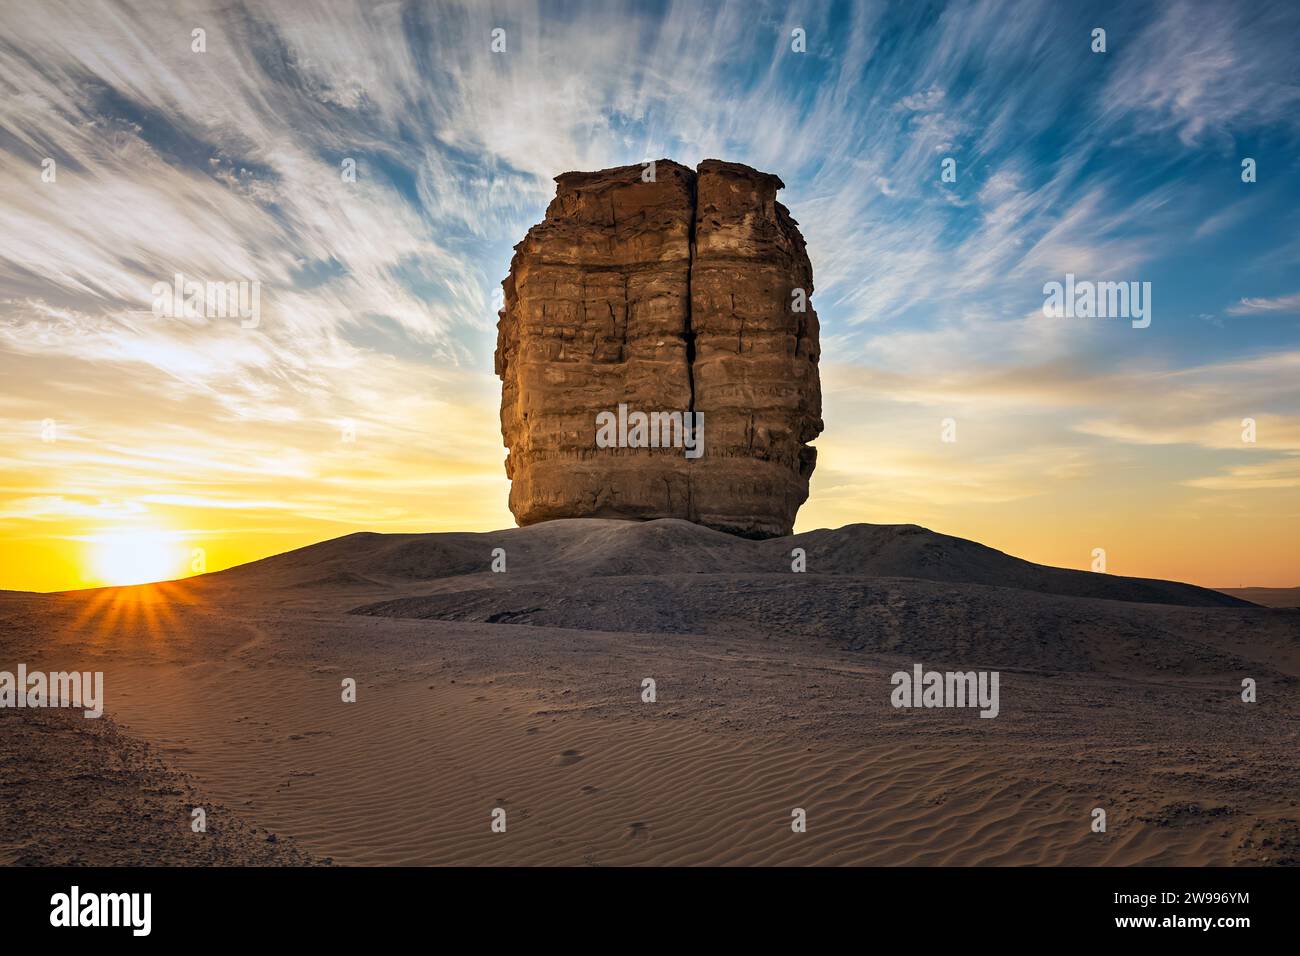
(1251, 306)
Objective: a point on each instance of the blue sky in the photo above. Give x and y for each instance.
(379, 294)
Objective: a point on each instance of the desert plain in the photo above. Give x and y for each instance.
(523, 691)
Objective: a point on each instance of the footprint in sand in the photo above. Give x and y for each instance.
(568, 757)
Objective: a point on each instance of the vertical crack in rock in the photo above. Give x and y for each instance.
(689, 333)
(689, 336)
(696, 271)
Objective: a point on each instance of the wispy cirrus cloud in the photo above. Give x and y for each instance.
(1286, 303)
(1206, 70)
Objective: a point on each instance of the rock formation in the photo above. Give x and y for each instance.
(664, 290)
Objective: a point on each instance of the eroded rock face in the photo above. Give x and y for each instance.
(673, 295)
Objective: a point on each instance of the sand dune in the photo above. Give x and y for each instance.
(970, 624)
(522, 691)
(593, 547)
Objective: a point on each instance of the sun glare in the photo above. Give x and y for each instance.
(134, 557)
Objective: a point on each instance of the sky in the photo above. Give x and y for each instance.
(140, 445)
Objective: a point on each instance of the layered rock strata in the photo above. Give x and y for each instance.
(671, 290)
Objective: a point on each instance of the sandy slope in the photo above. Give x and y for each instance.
(606, 548)
(1267, 597)
(522, 691)
(68, 785)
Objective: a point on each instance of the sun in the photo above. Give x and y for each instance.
(134, 557)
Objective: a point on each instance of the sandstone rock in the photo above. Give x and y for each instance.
(675, 295)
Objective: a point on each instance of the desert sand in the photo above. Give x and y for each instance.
(522, 691)
(1268, 597)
